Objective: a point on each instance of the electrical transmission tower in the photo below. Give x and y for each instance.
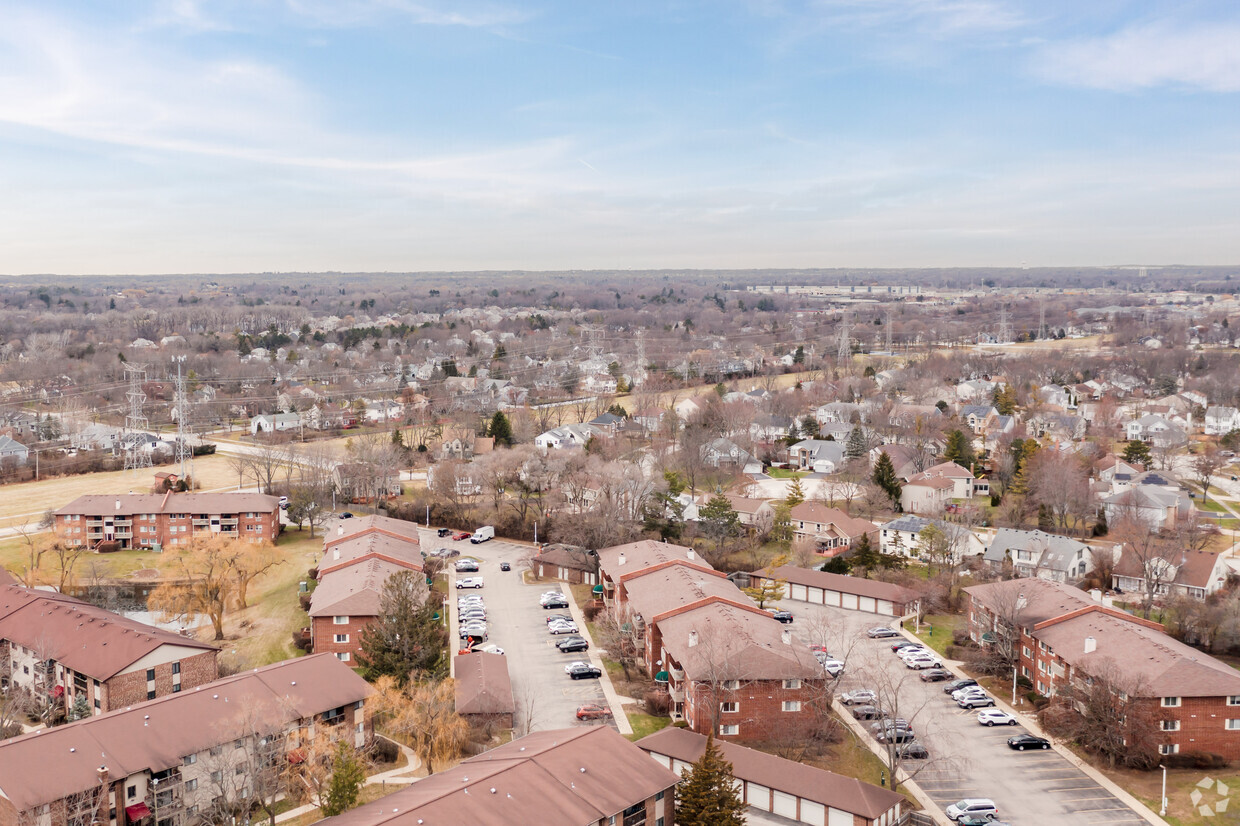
(136, 455)
(1005, 327)
(843, 350)
(182, 451)
(594, 339)
(1042, 331)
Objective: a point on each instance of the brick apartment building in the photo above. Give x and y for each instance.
(358, 557)
(54, 646)
(728, 665)
(167, 761)
(1064, 637)
(589, 776)
(145, 520)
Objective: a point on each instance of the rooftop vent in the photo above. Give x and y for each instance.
(693, 638)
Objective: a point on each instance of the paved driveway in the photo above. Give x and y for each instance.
(546, 697)
(966, 759)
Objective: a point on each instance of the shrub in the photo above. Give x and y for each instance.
(658, 703)
(385, 751)
(680, 724)
(1195, 760)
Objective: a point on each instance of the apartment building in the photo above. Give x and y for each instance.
(589, 776)
(158, 521)
(57, 648)
(180, 759)
(1064, 637)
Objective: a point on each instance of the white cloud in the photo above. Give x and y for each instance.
(1157, 54)
(352, 13)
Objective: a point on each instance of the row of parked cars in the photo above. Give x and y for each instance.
(563, 625)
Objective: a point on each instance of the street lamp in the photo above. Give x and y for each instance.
(1014, 666)
(1163, 811)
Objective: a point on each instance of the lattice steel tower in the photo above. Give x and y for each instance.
(136, 456)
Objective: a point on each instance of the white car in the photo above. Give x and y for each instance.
(568, 669)
(967, 690)
(489, 648)
(919, 663)
(833, 667)
(469, 582)
(563, 628)
(995, 717)
(978, 806)
(914, 651)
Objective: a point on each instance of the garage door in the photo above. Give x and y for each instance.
(759, 797)
(833, 598)
(785, 805)
(814, 596)
(867, 604)
(885, 607)
(837, 818)
(797, 592)
(849, 601)
(813, 813)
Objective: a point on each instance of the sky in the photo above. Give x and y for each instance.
(193, 136)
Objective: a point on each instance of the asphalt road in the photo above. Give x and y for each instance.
(966, 758)
(545, 696)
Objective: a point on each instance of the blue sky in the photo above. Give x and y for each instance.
(196, 136)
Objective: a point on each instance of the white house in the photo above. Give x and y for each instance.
(902, 537)
(1221, 420)
(274, 423)
(1155, 430)
(12, 450)
(566, 436)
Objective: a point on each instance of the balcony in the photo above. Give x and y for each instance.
(228, 524)
(676, 692)
(677, 674)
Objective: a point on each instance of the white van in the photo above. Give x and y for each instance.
(482, 534)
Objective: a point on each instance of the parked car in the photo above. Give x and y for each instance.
(555, 603)
(780, 615)
(473, 629)
(284, 503)
(896, 646)
(956, 685)
(1020, 742)
(979, 820)
(972, 806)
(482, 535)
(446, 553)
(894, 735)
(934, 675)
(504, 566)
(914, 651)
(558, 618)
(833, 667)
(969, 689)
(568, 667)
(489, 648)
(346, 515)
(466, 565)
(468, 614)
(442, 532)
(469, 582)
(975, 701)
(881, 632)
(858, 697)
(995, 717)
(459, 535)
(585, 672)
(563, 628)
(571, 644)
(883, 725)
(913, 751)
(593, 711)
(868, 712)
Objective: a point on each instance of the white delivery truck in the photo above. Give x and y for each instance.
(482, 534)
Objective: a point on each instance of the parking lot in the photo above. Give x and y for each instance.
(966, 759)
(545, 696)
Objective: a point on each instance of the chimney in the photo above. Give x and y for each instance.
(1095, 594)
(103, 774)
(1021, 602)
(620, 560)
(118, 504)
(692, 638)
(690, 555)
(1091, 645)
(786, 637)
(340, 530)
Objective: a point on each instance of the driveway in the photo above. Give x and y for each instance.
(966, 759)
(546, 697)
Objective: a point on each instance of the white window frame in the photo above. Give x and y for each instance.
(1169, 725)
(1170, 702)
(341, 638)
(340, 620)
(1233, 700)
(791, 705)
(731, 685)
(730, 707)
(344, 656)
(729, 730)
(1232, 724)
(793, 683)
(1169, 748)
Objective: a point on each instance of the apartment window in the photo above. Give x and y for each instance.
(176, 668)
(150, 695)
(342, 638)
(659, 795)
(731, 685)
(217, 776)
(792, 683)
(238, 744)
(1028, 652)
(176, 688)
(1170, 702)
(724, 731)
(191, 784)
(150, 674)
(729, 708)
(131, 791)
(792, 705)
(1234, 700)
(343, 656)
(1233, 724)
(1169, 748)
(1170, 725)
(216, 751)
(190, 760)
(340, 620)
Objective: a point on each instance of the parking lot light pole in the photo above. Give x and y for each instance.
(1163, 811)
(1013, 686)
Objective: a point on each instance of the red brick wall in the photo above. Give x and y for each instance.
(1203, 723)
(669, 810)
(126, 689)
(323, 634)
(760, 713)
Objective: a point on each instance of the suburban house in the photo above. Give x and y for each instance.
(363, 481)
(1061, 427)
(729, 666)
(754, 514)
(1063, 638)
(483, 689)
(931, 490)
(145, 520)
(1191, 573)
(831, 531)
(177, 755)
(1221, 420)
(358, 557)
(569, 563)
(274, 423)
(817, 456)
(1155, 430)
(906, 460)
(852, 592)
(1158, 506)
(561, 777)
(1040, 554)
(566, 436)
(724, 453)
(768, 783)
(13, 451)
(58, 648)
(977, 416)
(902, 537)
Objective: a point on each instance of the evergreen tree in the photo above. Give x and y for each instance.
(707, 796)
(1138, 453)
(959, 449)
(885, 477)
(1020, 482)
(855, 448)
(865, 555)
(348, 775)
(500, 429)
(781, 525)
(1100, 525)
(837, 565)
(1004, 399)
(809, 427)
(406, 638)
(1046, 520)
(796, 493)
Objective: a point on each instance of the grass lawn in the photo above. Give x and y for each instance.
(851, 758)
(644, 724)
(368, 794)
(1147, 787)
(937, 630)
(1210, 505)
(784, 473)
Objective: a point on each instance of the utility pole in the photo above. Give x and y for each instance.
(135, 422)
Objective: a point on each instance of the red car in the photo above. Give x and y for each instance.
(461, 535)
(593, 711)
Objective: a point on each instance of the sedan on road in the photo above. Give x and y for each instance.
(505, 566)
(1020, 742)
(996, 717)
(593, 711)
(585, 671)
(935, 675)
(881, 632)
(571, 644)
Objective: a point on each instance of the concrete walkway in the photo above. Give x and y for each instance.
(380, 779)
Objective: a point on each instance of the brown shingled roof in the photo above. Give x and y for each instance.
(354, 590)
(843, 583)
(734, 643)
(643, 554)
(348, 528)
(101, 505)
(482, 684)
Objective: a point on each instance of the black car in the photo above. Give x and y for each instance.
(555, 603)
(780, 616)
(868, 712)
(896, 646)
(956, 685)
(442, 532)
(914, 751)
(504, 566)
(346, 515)
(1020, 742)
(572, 644)
(585, 672)
(936, 675)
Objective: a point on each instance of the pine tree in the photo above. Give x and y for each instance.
(885, 477)
(1046, 520)
(348, 775)
(854, 448)
(959, 449)
(707, 796)
(1138, 453)
(407, 638)
(1100, 525)
(1020, 482)
(796, 493)
(865, 555)
(500, 429)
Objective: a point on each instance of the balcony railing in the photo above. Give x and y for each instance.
(677, 674)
